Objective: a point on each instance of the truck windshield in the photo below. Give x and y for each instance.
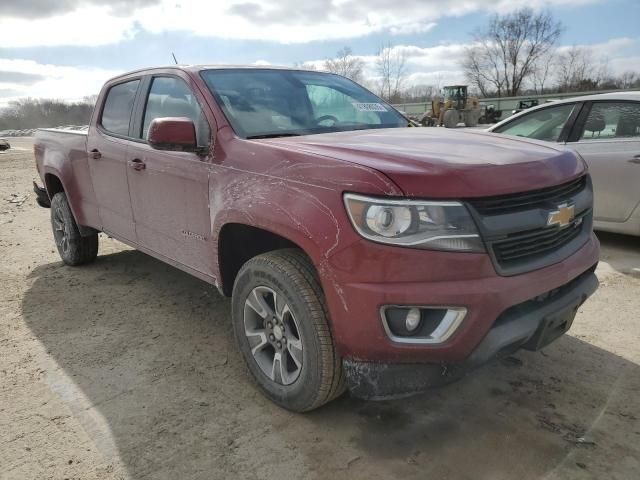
(263, 103)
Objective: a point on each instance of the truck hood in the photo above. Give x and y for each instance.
(435, 162)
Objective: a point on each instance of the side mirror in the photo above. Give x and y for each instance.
(173, 133)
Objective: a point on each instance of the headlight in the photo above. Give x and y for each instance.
(414, 223)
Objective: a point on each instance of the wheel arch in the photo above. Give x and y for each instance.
(53, 185)
(239, 242)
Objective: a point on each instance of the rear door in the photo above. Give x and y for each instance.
(170, 194)
(107, 149)
(607, 135)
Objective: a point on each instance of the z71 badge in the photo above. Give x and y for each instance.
(196, 236)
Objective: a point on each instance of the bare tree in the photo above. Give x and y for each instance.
(391, 65)
(481, 69)
(628, 79)
(42, 112)
(418, 93)
(345, 64)
(575, 68)
(505, 53)
(305, 65)
(543, 70)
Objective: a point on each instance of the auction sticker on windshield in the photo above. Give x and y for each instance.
(369, 107)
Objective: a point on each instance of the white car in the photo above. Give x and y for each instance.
(605, 130)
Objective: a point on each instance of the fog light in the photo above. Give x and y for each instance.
(413, 319)
(422, 324)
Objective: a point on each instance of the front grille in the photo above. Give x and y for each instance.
(530, 245)
(515, 227)
(501, 204)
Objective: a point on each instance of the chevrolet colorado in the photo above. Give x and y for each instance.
(358, 253)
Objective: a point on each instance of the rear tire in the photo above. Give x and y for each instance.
(471, 118)
(281, 324)
(74, 249)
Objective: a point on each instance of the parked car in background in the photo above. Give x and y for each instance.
(4, 145)
(605, 130)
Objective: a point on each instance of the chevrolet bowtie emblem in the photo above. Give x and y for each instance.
(562, 216)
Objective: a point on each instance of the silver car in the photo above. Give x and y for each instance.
(605, 130)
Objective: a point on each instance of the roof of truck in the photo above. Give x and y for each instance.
(199, 67)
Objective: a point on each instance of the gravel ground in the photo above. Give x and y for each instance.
(126, 368)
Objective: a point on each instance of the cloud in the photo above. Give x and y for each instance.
(7, 93)
(32, 9)
(89, 26)
(439, 65)
(27, 78)
(20, 77)
(295, 21)
(101, 22)
(412, 28)
(619, 55)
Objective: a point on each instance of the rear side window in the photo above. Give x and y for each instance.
(172, 97)
(544, 124)
(118, 107)
(612, 120)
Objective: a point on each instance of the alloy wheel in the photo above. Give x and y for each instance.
(60, 231)
(273, 335)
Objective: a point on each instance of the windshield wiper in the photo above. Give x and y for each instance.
(274, 135)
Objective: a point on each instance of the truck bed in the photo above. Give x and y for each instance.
(61, 156)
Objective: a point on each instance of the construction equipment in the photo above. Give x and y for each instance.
(489, 114)
(454, 107)
(524, 104)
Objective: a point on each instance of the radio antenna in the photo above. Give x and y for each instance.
(174, 58)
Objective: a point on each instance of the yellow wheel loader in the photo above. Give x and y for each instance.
(454, 107)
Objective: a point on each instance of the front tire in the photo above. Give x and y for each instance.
(281, 324)
(74, 249)
(450, 118)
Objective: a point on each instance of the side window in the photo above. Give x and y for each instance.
(544, 124)
(118, 106)
(329, 101)
(612, 120)
(172, 97)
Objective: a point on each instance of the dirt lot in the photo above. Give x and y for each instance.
(127, 369)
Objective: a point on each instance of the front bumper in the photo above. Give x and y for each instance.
(531, 325)
(404, 276)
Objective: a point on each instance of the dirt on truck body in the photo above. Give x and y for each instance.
(359, 254)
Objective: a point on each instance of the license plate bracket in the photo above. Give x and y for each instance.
(552, 326)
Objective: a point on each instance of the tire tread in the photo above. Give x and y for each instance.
(84, 249)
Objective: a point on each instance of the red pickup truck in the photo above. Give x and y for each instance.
(358, 253)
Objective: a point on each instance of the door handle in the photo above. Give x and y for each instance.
(95, 154)
(137, 164)
(635, 159)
